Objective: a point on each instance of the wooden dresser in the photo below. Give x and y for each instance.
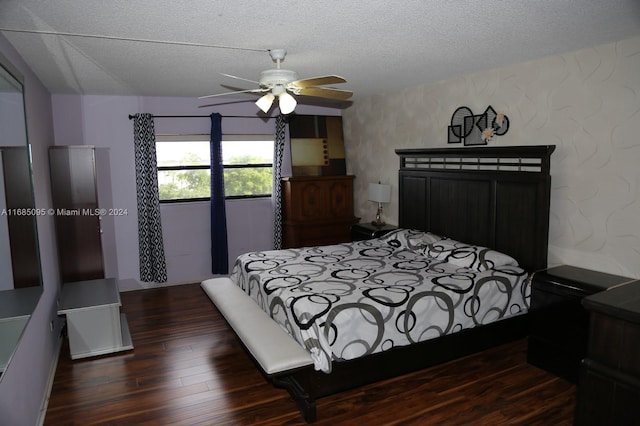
(609, 388)
(317, 210)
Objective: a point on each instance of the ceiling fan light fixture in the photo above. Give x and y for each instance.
(265, 102)
(287, 103)
(282, 84)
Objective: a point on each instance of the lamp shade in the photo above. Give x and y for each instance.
(264, 103)
(379, 193)
(287, 103)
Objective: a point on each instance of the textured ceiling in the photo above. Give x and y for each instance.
(378, 46)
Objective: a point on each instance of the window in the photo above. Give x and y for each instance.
(184, 169)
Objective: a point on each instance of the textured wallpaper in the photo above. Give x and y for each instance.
(586, 102)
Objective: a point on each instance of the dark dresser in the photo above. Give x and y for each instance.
(609, 387)
(317, 210)
(558, 321)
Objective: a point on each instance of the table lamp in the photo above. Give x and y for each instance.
(379, 193)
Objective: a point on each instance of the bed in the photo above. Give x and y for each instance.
(473, 227)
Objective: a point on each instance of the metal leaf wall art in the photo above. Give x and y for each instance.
(471, 129)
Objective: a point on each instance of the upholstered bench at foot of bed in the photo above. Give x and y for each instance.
(273, 349)
(269, 344)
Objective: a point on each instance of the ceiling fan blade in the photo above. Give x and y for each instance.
(240, 78)
(318, 81)
(323, 92)
(233, 93)
(235, 101)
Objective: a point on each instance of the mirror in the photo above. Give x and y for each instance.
(20, 274)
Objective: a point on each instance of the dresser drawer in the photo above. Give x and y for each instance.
(606, 397)
(615, 343)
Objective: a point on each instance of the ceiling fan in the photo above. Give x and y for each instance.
(284, 84)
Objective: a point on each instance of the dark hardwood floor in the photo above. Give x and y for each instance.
(188, 368)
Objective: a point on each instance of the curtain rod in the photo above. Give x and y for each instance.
(204, 116)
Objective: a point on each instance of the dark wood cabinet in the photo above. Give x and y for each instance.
(81, 195)
(367, 231)
(609, 387)
(317, 210)
(558, 322)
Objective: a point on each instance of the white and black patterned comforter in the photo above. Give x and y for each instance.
(348, 300)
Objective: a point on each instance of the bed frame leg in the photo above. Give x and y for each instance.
(306, 403)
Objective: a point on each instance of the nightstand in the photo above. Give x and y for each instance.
(367, 231)
(558, 322)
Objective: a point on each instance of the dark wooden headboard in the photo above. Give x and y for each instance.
(496, 197)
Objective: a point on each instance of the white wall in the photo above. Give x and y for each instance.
(103, 121)
(587, 103)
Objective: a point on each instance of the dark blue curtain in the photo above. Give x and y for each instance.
(219, 250)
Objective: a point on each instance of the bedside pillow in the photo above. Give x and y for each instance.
(467, 255)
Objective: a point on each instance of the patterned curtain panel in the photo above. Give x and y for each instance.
(219, 250)
(278, 149)
(153, 267)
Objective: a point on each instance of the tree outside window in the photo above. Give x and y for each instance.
(184, 170)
